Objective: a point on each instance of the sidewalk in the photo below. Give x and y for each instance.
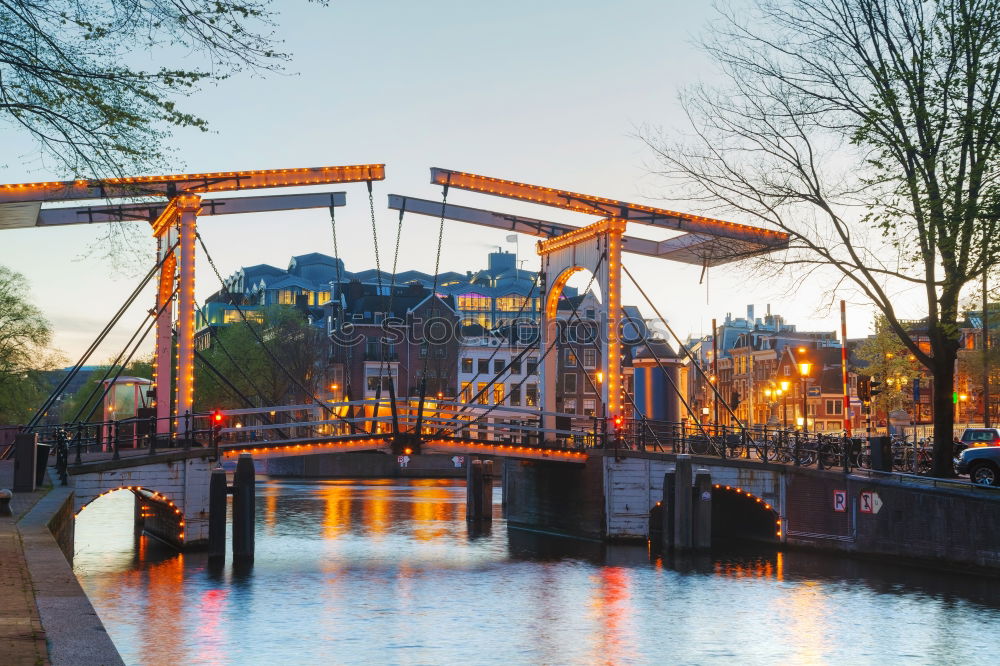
(22, 639)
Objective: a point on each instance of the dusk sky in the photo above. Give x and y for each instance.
(545, 93)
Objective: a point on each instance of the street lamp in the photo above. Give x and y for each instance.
(804, 368)
(784, 404)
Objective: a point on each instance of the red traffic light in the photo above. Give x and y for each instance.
(619, 420)
(217, 416)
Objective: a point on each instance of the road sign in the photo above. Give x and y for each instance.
(840, 500)
(870, 502)
(814, 391)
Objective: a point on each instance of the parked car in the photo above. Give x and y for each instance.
(975, 437)
(982, 464)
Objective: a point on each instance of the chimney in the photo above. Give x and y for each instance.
(750, 314)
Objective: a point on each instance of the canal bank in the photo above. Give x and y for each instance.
(52, 618)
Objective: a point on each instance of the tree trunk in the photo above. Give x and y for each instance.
(945, 353)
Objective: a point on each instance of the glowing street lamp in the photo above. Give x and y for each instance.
(804, 368)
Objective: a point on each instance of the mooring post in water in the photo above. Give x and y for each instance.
(486, 505)
(243, 509)
(667, 509)
(702, 509)
(474, 490)
(217, 491)
(682, 503)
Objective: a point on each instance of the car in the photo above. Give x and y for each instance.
(982, 464)
(976, 437)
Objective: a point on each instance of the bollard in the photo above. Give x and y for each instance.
(5, 496)
(217, 491)
(667, 506)
(25, 462)
(243, 509)
(702, 510)
(682, 503)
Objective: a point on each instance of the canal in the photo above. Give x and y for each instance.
(388, 572)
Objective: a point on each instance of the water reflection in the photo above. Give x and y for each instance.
(389, 572)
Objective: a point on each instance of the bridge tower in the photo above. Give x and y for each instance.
(595, 247)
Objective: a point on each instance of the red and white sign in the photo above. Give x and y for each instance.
(840, 500)
(870, 502)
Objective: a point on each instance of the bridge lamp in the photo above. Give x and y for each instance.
(600, 376)
(784, 386)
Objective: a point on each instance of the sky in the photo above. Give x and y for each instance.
(549, 93)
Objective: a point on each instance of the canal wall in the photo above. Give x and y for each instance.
(896, 517)
(73, 631)
(362, 466)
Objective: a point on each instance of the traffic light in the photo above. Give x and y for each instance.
(864, 389)
(873, 388)
(734, 400)
(217, 420)
(618, 421)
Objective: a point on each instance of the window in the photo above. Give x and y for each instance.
(473, 301)
(589, 313)
(834, 407)
(512, 303)
(371, 349)
(286, 297)
(233, 317)
(533, 365)
(498, 365)
(515, 395)
(423, 350)
(589, 407)
(467, 365)
(590, 358)
(811, 409)
(483, 367)
(322, 297)
(531, 395)
(482, 390)
(569, 382)
(569, 405)
(570, 358)
(498, 394)
(515, 367)
(589, 386)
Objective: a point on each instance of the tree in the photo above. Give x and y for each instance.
(236, 353)
(869, 131)
(24, 337)
(67, 78)
(889, 361)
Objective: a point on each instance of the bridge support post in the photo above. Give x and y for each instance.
(682, 503)
(702, 510)
(244, 487)
(479, 491)
(217, 491)
(486, 506)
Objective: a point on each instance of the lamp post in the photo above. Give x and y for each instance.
(784, 403)
(804, 368)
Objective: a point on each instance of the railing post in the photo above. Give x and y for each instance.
(846, 450)
(79, 442)
(62, 456)
(722, 449)
(114, 440)
(152, 434)
(795, 451)
(187, 429)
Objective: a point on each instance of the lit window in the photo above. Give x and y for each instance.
(474, 302)
(531, 396)
(498, 394)
(570, 359)
(512, 303)
(484, 394)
